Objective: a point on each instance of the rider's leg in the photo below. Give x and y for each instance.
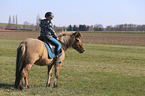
(54, 42)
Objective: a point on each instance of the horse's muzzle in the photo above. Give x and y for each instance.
(82, 51)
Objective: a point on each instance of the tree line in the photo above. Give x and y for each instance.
(13, 25)
(99, 27)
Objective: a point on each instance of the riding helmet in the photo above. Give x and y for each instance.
(49, 14)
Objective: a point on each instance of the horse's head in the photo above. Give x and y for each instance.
(77, 44)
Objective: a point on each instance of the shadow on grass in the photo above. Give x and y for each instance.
(6, 86)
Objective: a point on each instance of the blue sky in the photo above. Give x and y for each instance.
(89, 12)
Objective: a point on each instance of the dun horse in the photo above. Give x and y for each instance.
(33, 51)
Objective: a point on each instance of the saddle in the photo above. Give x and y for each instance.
(50, 48)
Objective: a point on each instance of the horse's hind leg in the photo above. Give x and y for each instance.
(57, 67)
(26, 81)
(25, 74)
(49, 75)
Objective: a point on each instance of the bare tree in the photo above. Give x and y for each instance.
(9, 22)
(25, 25)
(98, 27)
(16, 20)
(13, 19)
(109, 28)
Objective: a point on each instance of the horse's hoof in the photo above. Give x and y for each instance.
(48, 85)
(55, 85)
(28, 86)
(20, 88)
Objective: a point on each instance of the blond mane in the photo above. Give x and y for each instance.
(65, 38)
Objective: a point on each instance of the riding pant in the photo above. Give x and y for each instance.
(54, 42)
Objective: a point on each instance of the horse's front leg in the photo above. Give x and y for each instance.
(49, 75)
(57, 67)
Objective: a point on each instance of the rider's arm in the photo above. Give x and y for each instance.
(48, 29)
(53, 33)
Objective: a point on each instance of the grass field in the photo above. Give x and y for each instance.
(103, 70)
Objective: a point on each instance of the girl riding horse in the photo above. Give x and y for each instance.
(47, 34)
(33, 51)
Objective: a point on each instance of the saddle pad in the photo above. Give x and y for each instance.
(50, 53)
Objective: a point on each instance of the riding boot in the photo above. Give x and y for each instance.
(57, 60)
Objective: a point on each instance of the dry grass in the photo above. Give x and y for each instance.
(18, 35)
(115, 38)
(134, 39)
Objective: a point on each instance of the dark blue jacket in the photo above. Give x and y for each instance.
(47, 29)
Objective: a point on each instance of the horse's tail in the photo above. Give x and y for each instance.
(20, 64)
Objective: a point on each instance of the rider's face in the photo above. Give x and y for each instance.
(49, 18)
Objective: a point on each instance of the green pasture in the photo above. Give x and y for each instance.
(103, 70)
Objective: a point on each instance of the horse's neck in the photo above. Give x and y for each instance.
(66, 42)
(64, 47)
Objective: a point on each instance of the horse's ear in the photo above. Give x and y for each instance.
(77, 34)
